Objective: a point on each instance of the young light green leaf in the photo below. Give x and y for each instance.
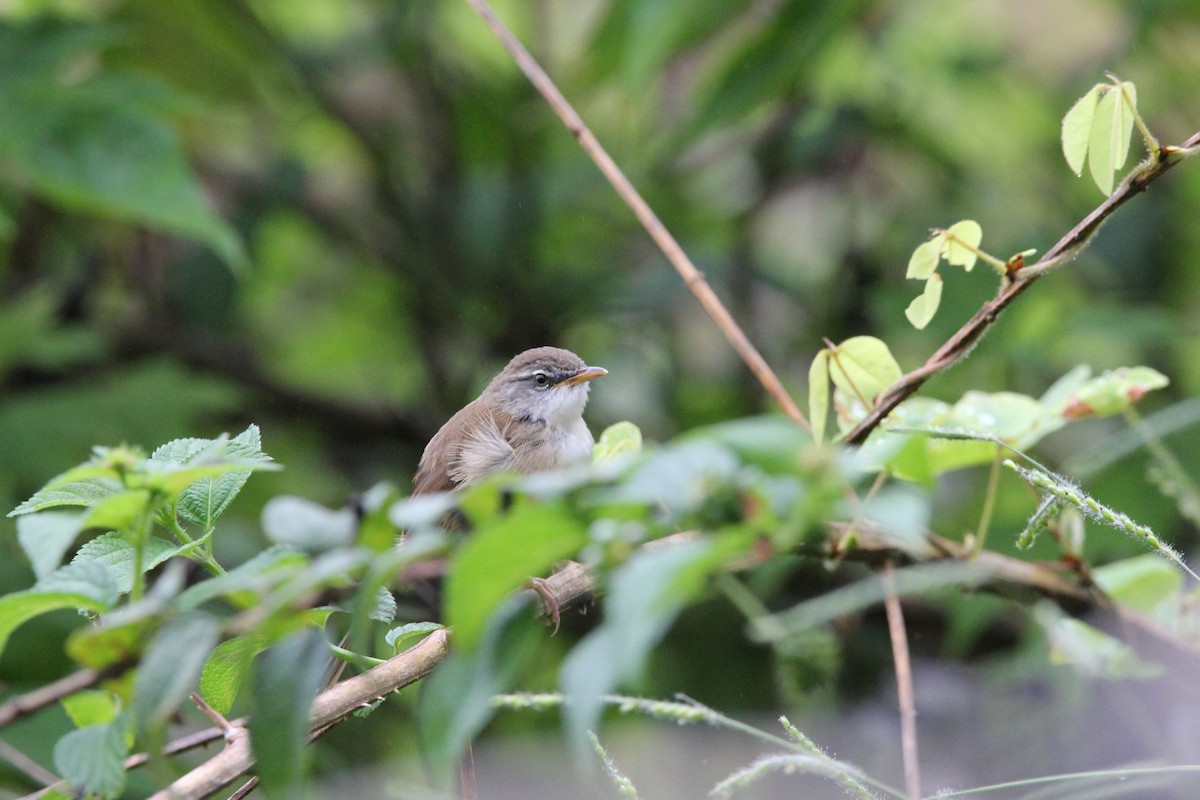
(116, 553)
(863, 366)
(46, 537)
(225, 671)
(119, 511)
(1077, 129)
(171, 667)
(400, 638)
(818, 395)
(91, 707)
(92, 759)
(88, 587)
(921, 310)
(619, 438)
(286, 679)
(1112, 392)
(1123, 122)
(924, 259)
(1146, 583)
(501, 558)
(962, 240)
(1104, 140)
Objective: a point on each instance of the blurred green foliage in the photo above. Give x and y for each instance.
(338, 219)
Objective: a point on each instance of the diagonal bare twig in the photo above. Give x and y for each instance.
(692, 277)
(904, 683)
(1067, 247)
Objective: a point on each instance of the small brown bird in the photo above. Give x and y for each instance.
(528, 419)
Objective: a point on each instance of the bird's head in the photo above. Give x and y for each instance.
(543, 384)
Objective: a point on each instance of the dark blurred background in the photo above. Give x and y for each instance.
(337, 218)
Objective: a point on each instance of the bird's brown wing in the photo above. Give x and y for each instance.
(470, 445)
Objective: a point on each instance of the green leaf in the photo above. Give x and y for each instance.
(85, 492)
(818, 395)
(1112, 392)
(91, 707)
(1077, 129)
(1088, 650)
(1101, 142)
(118, 512)
(306, 525)
(225, 671)
(400, 638)
(46, 537)
(171, 667)
(1146, 583)
(500, 558)
(961, 238)
(645, 595)
(248, 580)
(92, 759)
(286, 679)
(116, 553)
(205, 500)
(770, 441)
(863, 365)
(679, 478)
(921, 310)
(617, 439)
(924, 259)
(88, 587)
(1123, 123)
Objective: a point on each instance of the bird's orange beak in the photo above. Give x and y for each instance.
(584, 374)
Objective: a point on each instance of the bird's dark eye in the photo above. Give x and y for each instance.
(540, 379)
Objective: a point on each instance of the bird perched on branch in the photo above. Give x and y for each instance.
(528, 419)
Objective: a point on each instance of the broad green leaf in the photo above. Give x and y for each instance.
(1077, 129)
(1112, 392)
(401, 638)
(91, 707)
(1147, 582)
(88, 587)
(226, 669)
(645, 595)
(118, 512)
(248, 580)
(118, 637)
(921, 310)
(501, 558)
(961, 238)
(46, 537)
(306, 525)
(1108, 141)
(617, 439)
(205, 500)
(818, 395)
(84, 492)
(924, 259)
(770, 441)
(863, 366)
(678, 479)
(1058, 395)
(286, 679)
(92, 759)
(116, 553)
(171, 668)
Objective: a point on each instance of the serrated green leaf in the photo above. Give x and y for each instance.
(286, 679)
(863, 366)
(961, 238)
(921, 310)
(116, 553)
(1077, 129)
(1103, 140)
(171, 668)
(85, 492)
(499, 559)
(46, 537)
(225, 671)
(818, 395)
(306, 525)
(617, 439)
(91, 707)
(118, 512)
(924, 260)
(204, 501)
(88, 587)
(92, 759)
(401, 638)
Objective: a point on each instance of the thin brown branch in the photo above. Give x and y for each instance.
(1066, 248)
(25, 704)
(904, 684)
(23, 763)
(692, 277)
